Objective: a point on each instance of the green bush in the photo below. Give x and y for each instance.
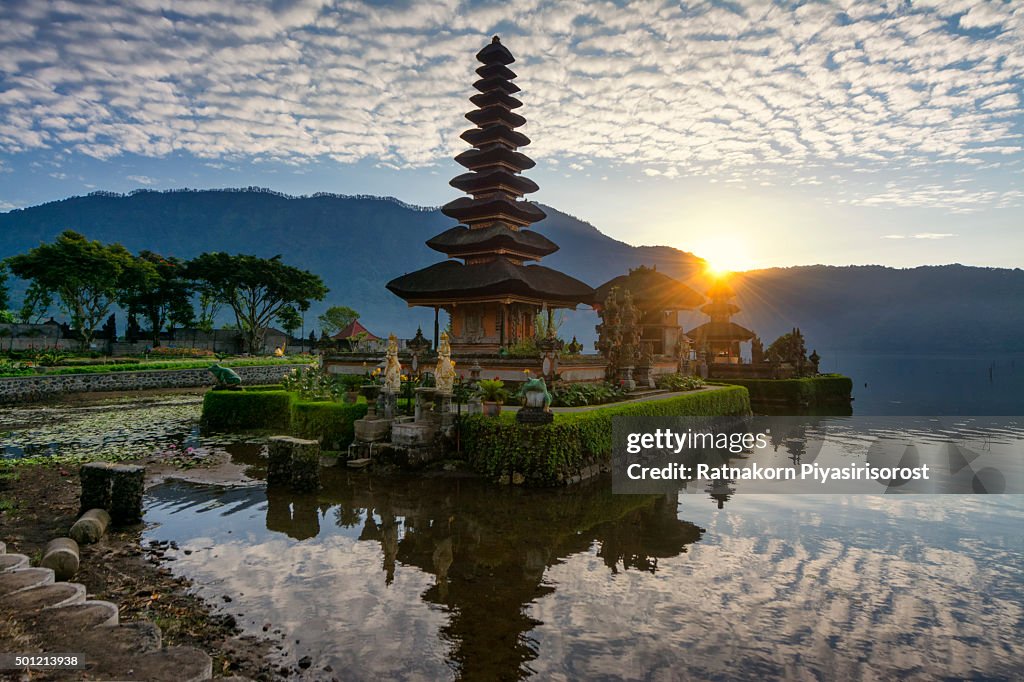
(330, 423)
(678, 382)
(272, 408)
(237, 410)
(547, 455)
(578, 395)
(819, 390)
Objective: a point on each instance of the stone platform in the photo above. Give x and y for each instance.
(59, 618)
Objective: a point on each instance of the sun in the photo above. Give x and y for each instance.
(716, 270)
(723, 256)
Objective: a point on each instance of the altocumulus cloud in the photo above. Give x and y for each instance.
(697, 88)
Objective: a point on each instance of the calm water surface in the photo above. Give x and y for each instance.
(415, 578)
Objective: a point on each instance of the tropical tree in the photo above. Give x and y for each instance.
(290, 320)
(157, 291)
(256, 289)
(36, 304)
(4, 292)
(336, 318)
(86, 276)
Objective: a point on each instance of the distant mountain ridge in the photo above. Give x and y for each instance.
(358, 243)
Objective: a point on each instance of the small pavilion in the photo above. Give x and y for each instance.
(490, 293)
(720, 337)
(354, 332)
(659, 298)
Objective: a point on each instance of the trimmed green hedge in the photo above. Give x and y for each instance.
(549, 454)
(266, 408)
(819, 390)
(330, 423)
(236, 410)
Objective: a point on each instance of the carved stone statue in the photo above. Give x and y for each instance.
(444, 372)
(225, 375)
(534, 393)
(392, 368)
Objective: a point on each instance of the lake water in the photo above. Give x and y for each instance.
(424, 578)
(990, 384)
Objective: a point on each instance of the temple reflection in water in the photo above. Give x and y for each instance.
(487, 549)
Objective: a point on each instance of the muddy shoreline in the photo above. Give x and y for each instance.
(40, 502)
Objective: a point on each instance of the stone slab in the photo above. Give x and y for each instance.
(24, 579)
(77, 618)
(174, 664)
(45, 597)
(122, 642)
(12, 562)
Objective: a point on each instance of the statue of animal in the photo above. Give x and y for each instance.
(534, 393)
(225, 375)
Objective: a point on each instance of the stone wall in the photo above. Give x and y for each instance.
(27, 389)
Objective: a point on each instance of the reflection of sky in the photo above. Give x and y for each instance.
(833, 587)
(841, 587)
(328, 593)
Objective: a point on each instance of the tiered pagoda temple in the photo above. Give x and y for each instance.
(720, 337)
(492, 296)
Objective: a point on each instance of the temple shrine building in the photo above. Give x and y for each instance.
(491, 285)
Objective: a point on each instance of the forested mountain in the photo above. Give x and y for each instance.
(357, 244)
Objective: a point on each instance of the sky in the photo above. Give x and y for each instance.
(752, 133)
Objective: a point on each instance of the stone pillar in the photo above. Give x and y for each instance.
(95, 487)
(129, 482)
(294, 462)
(305, 466)
(279, 461)
(116, 488)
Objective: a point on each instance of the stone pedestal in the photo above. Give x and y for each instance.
(388, 404)
(424, 400)
(626, 378)
(534, 416)
(643, 376)
(372, 429)
(116, 488)
(294, 462)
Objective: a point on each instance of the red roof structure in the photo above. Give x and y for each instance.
(354, 328)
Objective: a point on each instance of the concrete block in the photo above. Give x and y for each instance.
(61, 556)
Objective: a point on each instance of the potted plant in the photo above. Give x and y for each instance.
(352, 383)
(492, 395)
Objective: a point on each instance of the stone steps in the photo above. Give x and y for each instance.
(61, 619)
(12, 562)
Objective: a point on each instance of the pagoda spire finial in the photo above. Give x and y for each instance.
(494, 181)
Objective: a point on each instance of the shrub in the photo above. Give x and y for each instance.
(272, 408)
(330, 423)
(578, 395)
(236, 410)
(351, 382)
(819, 390)
(549, 454)
(492, 391)
(14, 369)
(49, 358)
(173, 352)
(311, 383)
(678, 382)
